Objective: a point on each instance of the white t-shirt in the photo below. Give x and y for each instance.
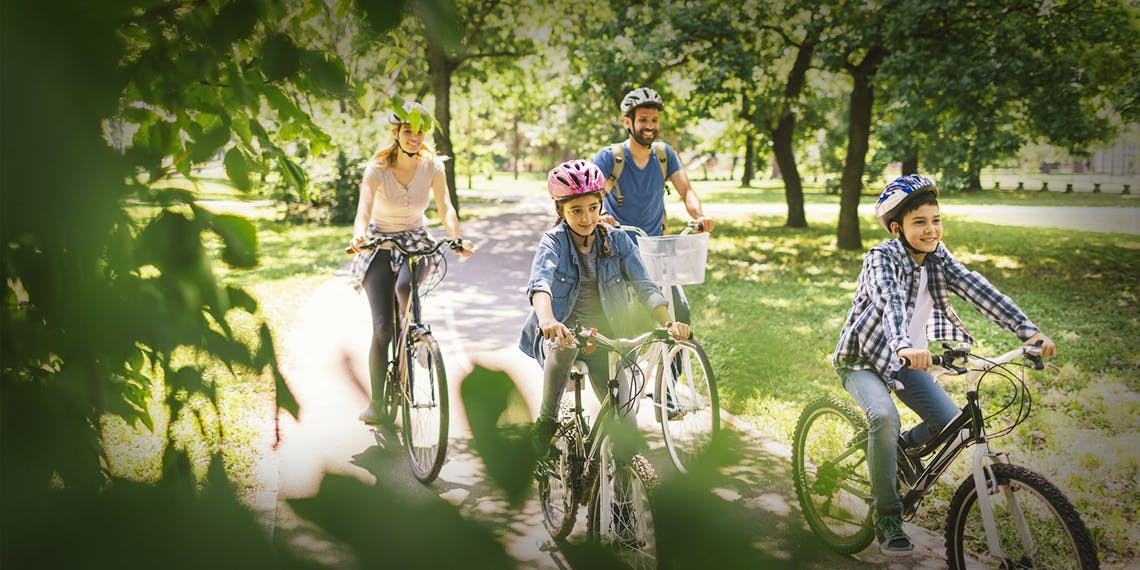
(923, 307)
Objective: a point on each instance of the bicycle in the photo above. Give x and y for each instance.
(582, 468)
(416, 381)
(685, 398)
(1030, 524)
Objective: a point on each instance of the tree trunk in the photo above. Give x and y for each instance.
(749, 161)
(440, 68)
(516, 144)
(910, 164)
(786, 160)
(858, 137)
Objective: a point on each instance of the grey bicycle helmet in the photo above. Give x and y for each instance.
(641, 97)
(412, 113)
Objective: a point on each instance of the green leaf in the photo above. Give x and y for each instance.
(294, 175)
(501, 429)
(280, 58)
(206, 145)
(240, 299)
(382, 15)
(237, 169)
(239, 239)
(234, 21)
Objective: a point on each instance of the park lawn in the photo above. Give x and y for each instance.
(774, 300)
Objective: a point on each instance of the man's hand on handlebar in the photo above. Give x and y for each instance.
(608, 219)
(678, 330)
(704, 224)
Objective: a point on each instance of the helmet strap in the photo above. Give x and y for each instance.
(906, 244)
(401, 147)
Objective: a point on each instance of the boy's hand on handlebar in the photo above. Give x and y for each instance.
(557, 332)
(917, 358)
(1048, 347)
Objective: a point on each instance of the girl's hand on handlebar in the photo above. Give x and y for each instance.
(557, 332)
(463, 247)
(917, 358)
(1048, 347)
(679, 331)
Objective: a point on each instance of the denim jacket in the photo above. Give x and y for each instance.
(555, 271)
(876, 326)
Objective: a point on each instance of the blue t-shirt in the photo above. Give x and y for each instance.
(642, 189)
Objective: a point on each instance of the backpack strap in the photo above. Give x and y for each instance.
(663, 161)
(619, 162)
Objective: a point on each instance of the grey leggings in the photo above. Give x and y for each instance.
(556, 366)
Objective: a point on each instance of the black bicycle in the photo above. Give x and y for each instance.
(1018, 520)
(584, 469)
(416, 382)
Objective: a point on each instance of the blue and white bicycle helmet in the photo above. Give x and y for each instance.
(897, 192)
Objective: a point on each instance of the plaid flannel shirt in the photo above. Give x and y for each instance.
(876, 326)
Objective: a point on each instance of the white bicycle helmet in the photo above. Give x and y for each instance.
(412, 113)
(893, 196)
(641, 97)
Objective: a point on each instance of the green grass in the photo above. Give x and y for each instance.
(775, 299)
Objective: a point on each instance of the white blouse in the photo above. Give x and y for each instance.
(396, 207)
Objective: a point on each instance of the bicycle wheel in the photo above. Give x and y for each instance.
(1048, 533)
(829, 468)
(620, 514)
(557, 478)
(425, 408)
(686, 402)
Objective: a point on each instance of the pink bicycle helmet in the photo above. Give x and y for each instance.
(574, 178)
(897, 192)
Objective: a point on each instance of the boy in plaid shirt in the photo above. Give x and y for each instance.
(901, 300)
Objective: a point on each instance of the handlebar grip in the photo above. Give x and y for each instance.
(936, 359)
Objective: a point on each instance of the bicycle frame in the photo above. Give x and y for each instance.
(965, 430)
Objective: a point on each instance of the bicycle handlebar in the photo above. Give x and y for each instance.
(594, 337)
(454, 244)
(690, 227)
(951, 357)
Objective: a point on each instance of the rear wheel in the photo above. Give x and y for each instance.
(686, 402)
(829, 468)
(620, 514)
(1036, 525)
(425, 408)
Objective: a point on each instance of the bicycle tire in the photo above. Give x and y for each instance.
(620, 513)
(830, 472)
(425, 408)
(557, 479)
(1052, 520)
(686, 403)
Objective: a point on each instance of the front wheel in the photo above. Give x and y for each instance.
(558, 475)
(426, 410)
(686, 402)
(1037, 526)
(620, 514)
(829, 469)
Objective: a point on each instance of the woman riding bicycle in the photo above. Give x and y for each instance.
(579, 275)
(900, 301)
(397, 186)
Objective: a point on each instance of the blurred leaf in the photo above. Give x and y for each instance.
(240, 299)
(237, 169)
(327, 72)
(280, 58)
(171, 243)
(382, 15)
(506, 448)
(239, 239)
(234, 21)
(388, 527)
(294, 175)
(207, 144)
(441, 23)
(267, 355)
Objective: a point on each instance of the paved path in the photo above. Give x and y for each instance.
(476, 315)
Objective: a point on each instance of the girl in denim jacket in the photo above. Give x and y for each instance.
(582, 274)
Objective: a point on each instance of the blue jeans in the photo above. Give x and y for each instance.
(922, 395)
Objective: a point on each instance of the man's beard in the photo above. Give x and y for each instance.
(640, 138)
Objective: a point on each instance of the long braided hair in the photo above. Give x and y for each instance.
(602, 229)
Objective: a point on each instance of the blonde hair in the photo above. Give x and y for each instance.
(386, 156)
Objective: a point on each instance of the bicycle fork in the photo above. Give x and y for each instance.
(986, 485)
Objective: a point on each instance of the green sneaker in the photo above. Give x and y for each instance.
(892, 540)
(543, 434)
(373, 414)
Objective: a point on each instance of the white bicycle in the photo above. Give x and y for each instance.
(685, 398)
